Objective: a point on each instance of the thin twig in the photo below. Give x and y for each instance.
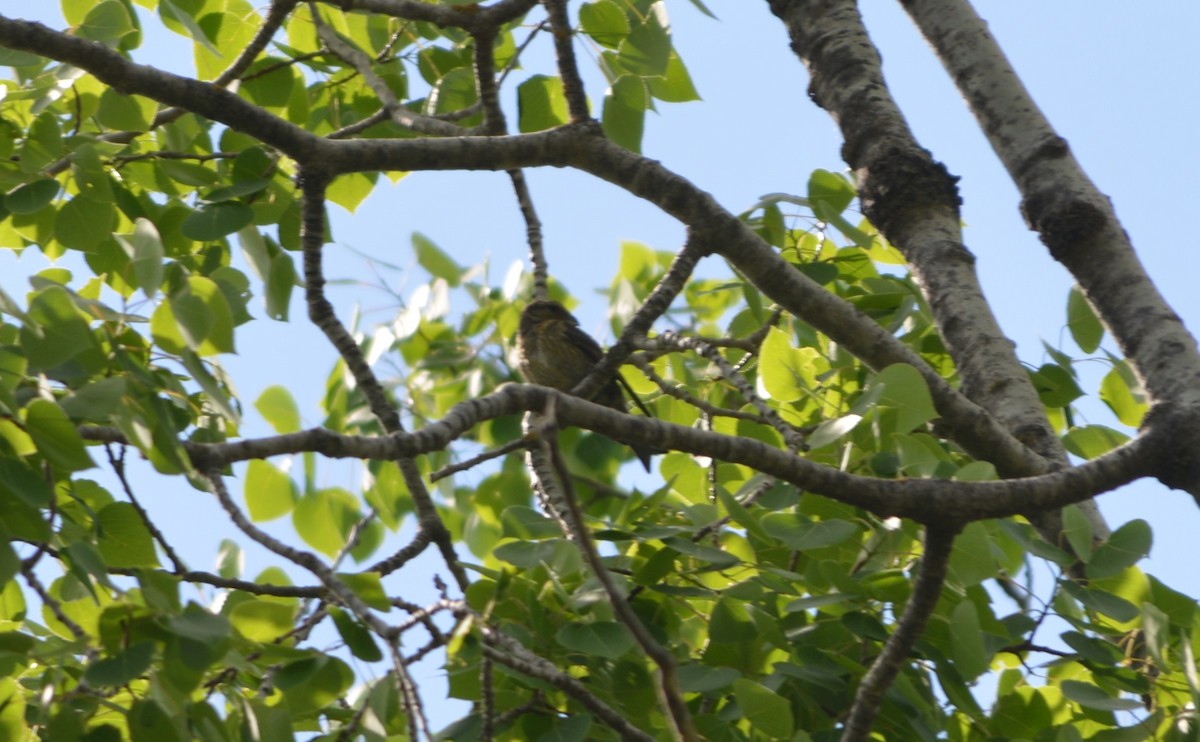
(321, 313)
(118, 465)
(926, 590)
(669, 691)
(474, 461)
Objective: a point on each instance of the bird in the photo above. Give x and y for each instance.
(554, 352)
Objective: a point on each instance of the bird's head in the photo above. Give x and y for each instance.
(544, 310)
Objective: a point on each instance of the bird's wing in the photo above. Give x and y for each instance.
(586, 343)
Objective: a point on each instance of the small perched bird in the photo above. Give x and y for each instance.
(554, 352)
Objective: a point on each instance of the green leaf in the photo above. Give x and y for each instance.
(833, 430)
(148, 721)
(740, 514)
(800, 534)
(646, 50)
(765, 709)
(324, 518)
(572, 728)
(269, 492)
(520, 521)
(695, 678)
(675, 86)
(1055, 385)
(124, 541)
(124, 112)
(278, 408)
(605, 22)
(214, 221)
(435, 261)
(1117, 391)
(30, 487)
(971, 561)
(262, 620)
(599, 638)
(541, 104)
(829, 193)
(788, 373)
(1078, 530)
(368, 587)
(905, 391)
(1104, 602)
(1156, 630)
(453, 92)
(91, 176)
(31, 197)
(1091, 696)
(716, 557)
(313, 682)
(526, 554)
(624, 114)
(230, 559)
(145, 251)
(195, 316)
(59, 332)
(1092, 441)
(1124, 548)
(171, 10)
(107, 22)
(121, 667)
(351, 189)
(966, 641)
(281, 281)
(55, 436)
(1085, 327)
(237, 190)
(362, 645)
(83, 224)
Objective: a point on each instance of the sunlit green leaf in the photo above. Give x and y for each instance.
(541, 103)
(124, 540)
(262, 620)
(1085, 327)
(269, 492)
(279, 409)
(433, 259)
(766, 710)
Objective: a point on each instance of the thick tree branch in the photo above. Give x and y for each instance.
(914, 203)
(1076, 222)
(924, 500)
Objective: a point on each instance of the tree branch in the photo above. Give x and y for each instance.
(923, 500)
(669, 693)
(914, 201)
(927, 589)
(564, 53)
(511, 653)
(320, 311)
(357, 59)
(1077, 224)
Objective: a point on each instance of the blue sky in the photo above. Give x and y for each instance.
(1117, 83)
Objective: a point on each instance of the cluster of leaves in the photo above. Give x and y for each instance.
(774, 601)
